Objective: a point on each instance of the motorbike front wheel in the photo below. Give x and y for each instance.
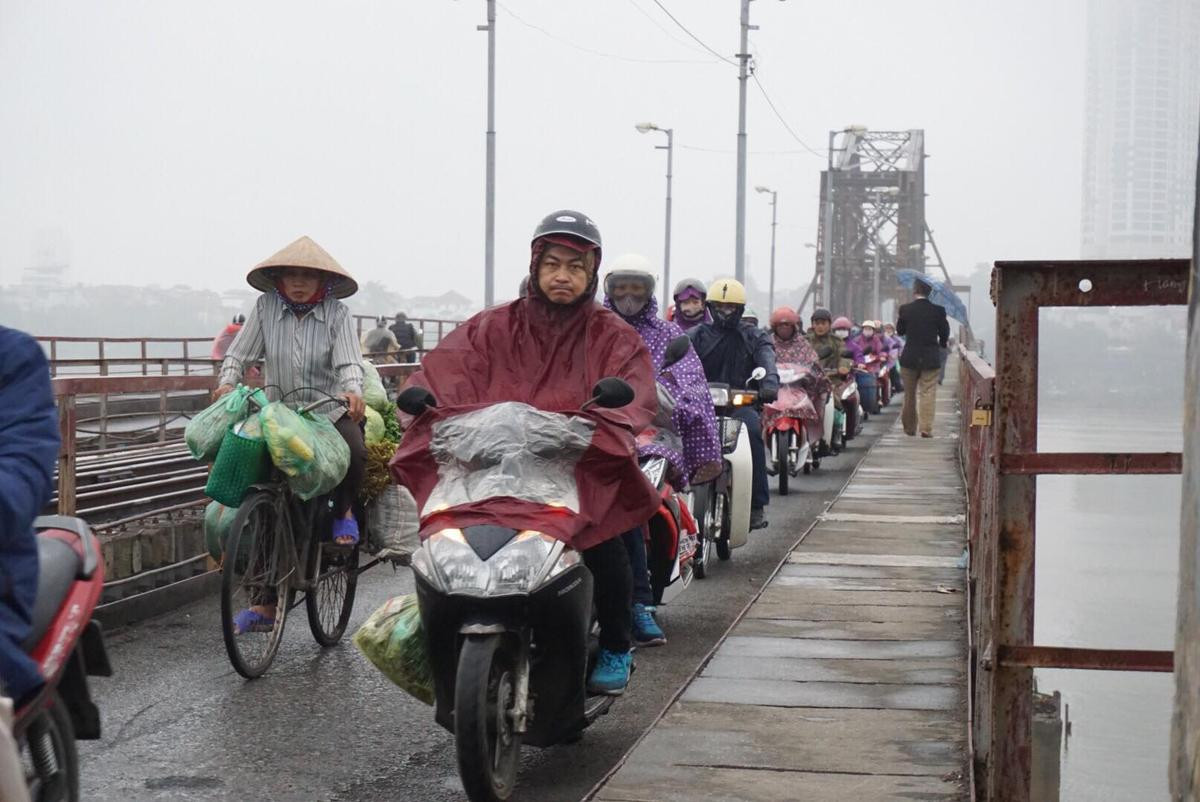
(722, 515)
(702, 559)
(783, 453)
(484, 694)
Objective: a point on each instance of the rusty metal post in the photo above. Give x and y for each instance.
(66, 455)
(1015, 431)
(187, 368)
(145, 367)
(53, 357)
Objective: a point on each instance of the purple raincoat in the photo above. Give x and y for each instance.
(694, 420)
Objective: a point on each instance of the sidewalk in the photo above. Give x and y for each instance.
(846, 678)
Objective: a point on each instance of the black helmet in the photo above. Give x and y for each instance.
(239, 320)
(821, 314)
(571, 223)
(381, 321)
(690, 284)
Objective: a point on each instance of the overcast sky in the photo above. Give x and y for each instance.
(170, 142)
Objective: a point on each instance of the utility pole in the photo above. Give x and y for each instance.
(743, 72)
(646, 128)
(489, 203)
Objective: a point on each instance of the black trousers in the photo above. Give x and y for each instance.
(346, 494)
(613, 593)
(635, 544)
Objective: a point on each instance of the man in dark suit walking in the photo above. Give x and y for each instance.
(927, 331)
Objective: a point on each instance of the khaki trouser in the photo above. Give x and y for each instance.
(920, 399)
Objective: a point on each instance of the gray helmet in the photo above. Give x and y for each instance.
(690, 284)
(239, 320)
(821, 314)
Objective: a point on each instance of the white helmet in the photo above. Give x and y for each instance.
(631, 266)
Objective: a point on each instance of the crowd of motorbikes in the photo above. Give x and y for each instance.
(507, 611)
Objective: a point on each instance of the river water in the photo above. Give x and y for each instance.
(1106, 566)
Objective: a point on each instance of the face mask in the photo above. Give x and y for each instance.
(628, 305)
(724, 316)
(841, 334)
(868, 333)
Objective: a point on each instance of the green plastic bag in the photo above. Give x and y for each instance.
(394, 641)
(206, 430)
(331, 458)
(217, 519)
(375, 430)
(373, 393)
(289, 437)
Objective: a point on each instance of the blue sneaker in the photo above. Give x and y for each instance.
(646, 631)
(611, 674)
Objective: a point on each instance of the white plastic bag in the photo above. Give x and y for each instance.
(393, 523)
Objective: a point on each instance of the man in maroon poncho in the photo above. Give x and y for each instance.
(548, 349)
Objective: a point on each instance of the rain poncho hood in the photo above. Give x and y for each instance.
(549, 357)
(693, 420)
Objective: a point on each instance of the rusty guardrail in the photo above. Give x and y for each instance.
(1001, 462)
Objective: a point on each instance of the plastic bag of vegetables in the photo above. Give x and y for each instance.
(394, 641)
(217, 518)
(290, 438)
(373, 393)
(330, 459)
(375, 429)
(206, 430)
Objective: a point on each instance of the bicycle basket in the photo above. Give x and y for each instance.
(240, 463)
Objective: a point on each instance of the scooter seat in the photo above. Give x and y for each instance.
(58, 565)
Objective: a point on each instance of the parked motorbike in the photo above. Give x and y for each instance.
(508, 611)
(68, 647)
(785, 430)
(725, 502)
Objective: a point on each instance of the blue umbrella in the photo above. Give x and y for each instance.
(939, 293)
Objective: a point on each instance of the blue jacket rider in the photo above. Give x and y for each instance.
(28, 453)
(730, 350)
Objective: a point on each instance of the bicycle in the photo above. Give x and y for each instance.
(261, 565)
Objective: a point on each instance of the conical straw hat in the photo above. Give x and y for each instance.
(303, 253)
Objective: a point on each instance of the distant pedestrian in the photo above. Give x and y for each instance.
(926, 330)
(221, 343)
(406, 336)
(380, 342)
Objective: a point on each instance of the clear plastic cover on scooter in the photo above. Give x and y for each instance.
(509, 450)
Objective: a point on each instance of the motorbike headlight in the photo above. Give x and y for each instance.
(515, 567)
(654, 469)
(720, 396)
(449, 563)
(455, 565)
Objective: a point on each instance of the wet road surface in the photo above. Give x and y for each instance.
(179, 724)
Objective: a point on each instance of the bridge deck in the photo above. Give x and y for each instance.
(846, 678)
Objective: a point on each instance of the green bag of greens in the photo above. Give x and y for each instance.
(289, 437)
(375, 429)
(206, 430)
(394, 641)
(217, 518)
(331, 458)
(373, 393)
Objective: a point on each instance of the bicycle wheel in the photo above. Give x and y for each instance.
(333, 574)
(254, 573)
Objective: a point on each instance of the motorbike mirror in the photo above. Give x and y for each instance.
(676, 350)
(415, 400)
(610, 393)
(756, 375)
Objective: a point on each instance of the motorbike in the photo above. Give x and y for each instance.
(68, 646)
(724, 504)
(785, 430)
(508, 610)
(880, 367)
(671, 533)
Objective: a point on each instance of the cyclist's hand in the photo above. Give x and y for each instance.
(355, 406)
(222, 391)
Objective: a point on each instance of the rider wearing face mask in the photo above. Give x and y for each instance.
(865, 344)
(548, 350)
(829, 347)
(629, 291)
(690, 310)
(730, 351)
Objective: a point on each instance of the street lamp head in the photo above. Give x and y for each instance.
(646, 128)
(762, 189)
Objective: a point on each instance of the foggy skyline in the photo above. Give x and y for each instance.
(181, 144)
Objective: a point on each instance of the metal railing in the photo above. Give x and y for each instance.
(1001, 463)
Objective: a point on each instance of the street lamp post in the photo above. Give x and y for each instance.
(774, 225)
(646, 128)
(489, 215)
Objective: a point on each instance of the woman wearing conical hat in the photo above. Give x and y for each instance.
(305, 336)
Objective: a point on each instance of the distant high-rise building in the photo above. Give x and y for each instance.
(1142, 115)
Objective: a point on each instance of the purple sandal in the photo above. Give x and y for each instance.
(345, 527)
(251, 621)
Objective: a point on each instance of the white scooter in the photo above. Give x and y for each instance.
(723, 506)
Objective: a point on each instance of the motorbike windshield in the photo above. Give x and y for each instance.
(509, 450)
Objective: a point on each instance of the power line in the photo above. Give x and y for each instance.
(600, 53)
(784, 122)
(659, 25)
(696, 38)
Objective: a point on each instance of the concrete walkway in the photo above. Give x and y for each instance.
(846, 678)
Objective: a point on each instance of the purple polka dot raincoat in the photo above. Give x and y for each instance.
(694, 420)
